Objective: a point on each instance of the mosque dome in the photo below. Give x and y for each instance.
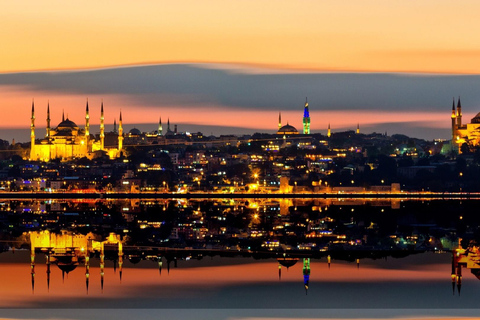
(287, 129)
(67, 267)
(476, 119)
(134, 132)
(67, 125)
(287, 262)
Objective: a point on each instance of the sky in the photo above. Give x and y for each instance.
(230, 66)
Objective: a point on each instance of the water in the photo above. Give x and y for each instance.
(228, 255)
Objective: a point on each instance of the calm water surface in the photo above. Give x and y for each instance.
(229, 286)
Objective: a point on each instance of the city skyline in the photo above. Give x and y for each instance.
(210, 64)
(217, 100)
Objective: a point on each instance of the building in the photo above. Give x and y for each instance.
(68, 140)
(306, 119)
(464, 133)
(288, 129)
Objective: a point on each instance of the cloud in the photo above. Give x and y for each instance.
(189, 84)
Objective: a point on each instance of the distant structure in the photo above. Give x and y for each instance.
(464, 133)
(68, 141)
(358, 128)
(329, 132)
(306, 119)
(288, 129)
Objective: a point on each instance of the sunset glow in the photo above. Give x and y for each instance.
(327, 35)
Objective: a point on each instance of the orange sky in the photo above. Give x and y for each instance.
(369, 35)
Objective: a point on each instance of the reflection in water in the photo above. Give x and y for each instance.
(253, 239)
(468, 258)
(68, 250)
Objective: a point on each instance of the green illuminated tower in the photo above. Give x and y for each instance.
(306, 119)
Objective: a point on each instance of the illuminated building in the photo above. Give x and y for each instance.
(464, 133)
(288, 129)
(306, 119)
(68, 141)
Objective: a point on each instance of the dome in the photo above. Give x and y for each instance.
(67, 267)
(287, 129)
(134, 132)
(287, 262)
(476, 119)
(67, 124)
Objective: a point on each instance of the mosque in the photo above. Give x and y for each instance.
(68, 140)
(289, 130)
(464, 133)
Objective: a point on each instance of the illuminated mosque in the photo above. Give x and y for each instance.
(464, 133)
(288, 129)
(68, 141)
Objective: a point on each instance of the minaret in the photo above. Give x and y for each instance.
(454, 274)
(168, 125)
(120, 258)
(306, 273)
(160, 264)
(160, 129)
(87, 123)
(306, 119)
(48, 119)
(48, 270)
(279, 120)
(102, 129)
(329, 132)
(453, 122)
(114, 125)
(63, 115)
(102, 265)
(32, 133)
(32, 265)
(120, 133)
(459, 113)
(358, 128)
(87, 270)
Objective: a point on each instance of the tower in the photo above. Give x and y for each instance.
(329, 132)
(102, 129)
(168, 125)
(114, 125)
(358, 128)
(306, 273)
(160, 129)
(279, 120)
(453, 121)
(120, 133)
(32, 132)
(306, 119)
(87, 122)
(48, 120)
(459, 113)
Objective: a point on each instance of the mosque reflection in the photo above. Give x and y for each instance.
(468, 258)
(83, 235)
(69, 250)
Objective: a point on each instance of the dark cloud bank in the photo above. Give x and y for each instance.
(188, 84)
